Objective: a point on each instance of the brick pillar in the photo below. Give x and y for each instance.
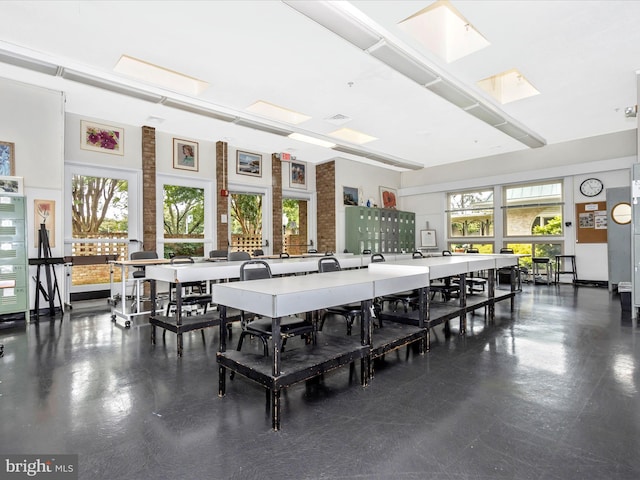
(302, 217)
(276, 204)
(222, 179)
(326, 190)
(149, 234)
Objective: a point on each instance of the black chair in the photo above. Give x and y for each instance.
(284, 255)
(410, 298)
(472, 250)
(261, 326)
(366, 251)
(258, 253)
(194, 292)
(312, 250)
(350, 311)
(445, 287)
(219, 254)
(238, 256)
(377, 257)
(139, 277)
(446, 253)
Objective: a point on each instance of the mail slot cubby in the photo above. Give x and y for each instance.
(12, 229)
(13, 299)
(12, 253)
(15, 273)
(11, 207)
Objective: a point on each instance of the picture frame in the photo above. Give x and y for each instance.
(388, 197)
(12, 185)
(350, 195)
(428, 239)
(101, 138)
(298, 175)
(248, 163)
(185, 155)
(44, 211)
(7, 159)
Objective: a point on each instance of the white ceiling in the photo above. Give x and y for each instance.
(581, 56)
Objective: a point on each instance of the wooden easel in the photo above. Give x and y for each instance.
(46, 260)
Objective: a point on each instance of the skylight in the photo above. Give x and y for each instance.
(443, 30)
(160, 76)
(275, 112)
(352, 136)
(312, 140)
(508, 86)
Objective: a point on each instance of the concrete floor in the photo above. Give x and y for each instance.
(548, 392)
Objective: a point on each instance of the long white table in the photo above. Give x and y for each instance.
(283, 296)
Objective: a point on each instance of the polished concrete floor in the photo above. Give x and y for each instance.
(548, 392)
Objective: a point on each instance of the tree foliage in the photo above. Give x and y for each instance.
(246, 214)
(92, 199)
(183, 210)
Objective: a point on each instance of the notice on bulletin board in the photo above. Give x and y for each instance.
(591, 219)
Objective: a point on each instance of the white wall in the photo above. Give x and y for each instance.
(608, 157)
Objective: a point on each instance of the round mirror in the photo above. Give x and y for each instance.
(621, 213)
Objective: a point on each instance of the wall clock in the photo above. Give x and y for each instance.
(591, 187)
(621, 213)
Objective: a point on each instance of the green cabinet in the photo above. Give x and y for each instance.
(380, 230)
(14, 287)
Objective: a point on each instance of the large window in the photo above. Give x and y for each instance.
(533, 209)
(246, 221)
(470, 220)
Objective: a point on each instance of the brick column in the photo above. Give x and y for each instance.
(222, 177)
(149, 233)
(276, 204)
(326, 189)
(302, 217)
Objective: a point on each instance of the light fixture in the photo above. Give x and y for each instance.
(444, 31)
(23, 61)
(344, 20)
(111, 86)
(386, 159)
(352, 136)
(206, 112)
(275, 112)
(313, 140)
(244, 122)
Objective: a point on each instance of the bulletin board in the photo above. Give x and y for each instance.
(591, 222)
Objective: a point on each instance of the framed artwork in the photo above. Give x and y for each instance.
(44, 211)
(7, 159)
(101, 138)
(298, 175)
(185, 155)
(248, 163)
(428, 239)
(12, 185)
(388, 197)
(350, 195)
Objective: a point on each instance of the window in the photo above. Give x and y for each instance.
(535, 249)
(246, 221)
(470, 214)
(533, 209)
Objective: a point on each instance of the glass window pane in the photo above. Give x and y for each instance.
(183, 212)
(533, 210)
(470, 214)
(246, 222)
(463, 247)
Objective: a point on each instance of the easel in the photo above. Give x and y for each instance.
(46, 260)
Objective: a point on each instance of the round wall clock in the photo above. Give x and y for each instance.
(621, 213)
(591, 187)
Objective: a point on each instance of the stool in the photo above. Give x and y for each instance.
(566, 264)
(538, 263)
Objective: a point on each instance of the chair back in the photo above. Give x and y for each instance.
(377, 257)
(506, 250)
(284, 255)
(417, 254)
(140, 271)
(218, 254)
(258, 253)
(366, 251)
(328, 264)
(472, 250)
(312, 250)
(238, 256)
(178, 259)
(446, 253)
(254, 270)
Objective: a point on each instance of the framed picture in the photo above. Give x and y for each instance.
(185, 155)
(428, 239)
(101, 138)
(388, 197)
(7, 154)
(12, 185)
(350, 195)
(248, 163)
(44, 212)
(298, 175)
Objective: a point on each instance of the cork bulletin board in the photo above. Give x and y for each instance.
(591, 220)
